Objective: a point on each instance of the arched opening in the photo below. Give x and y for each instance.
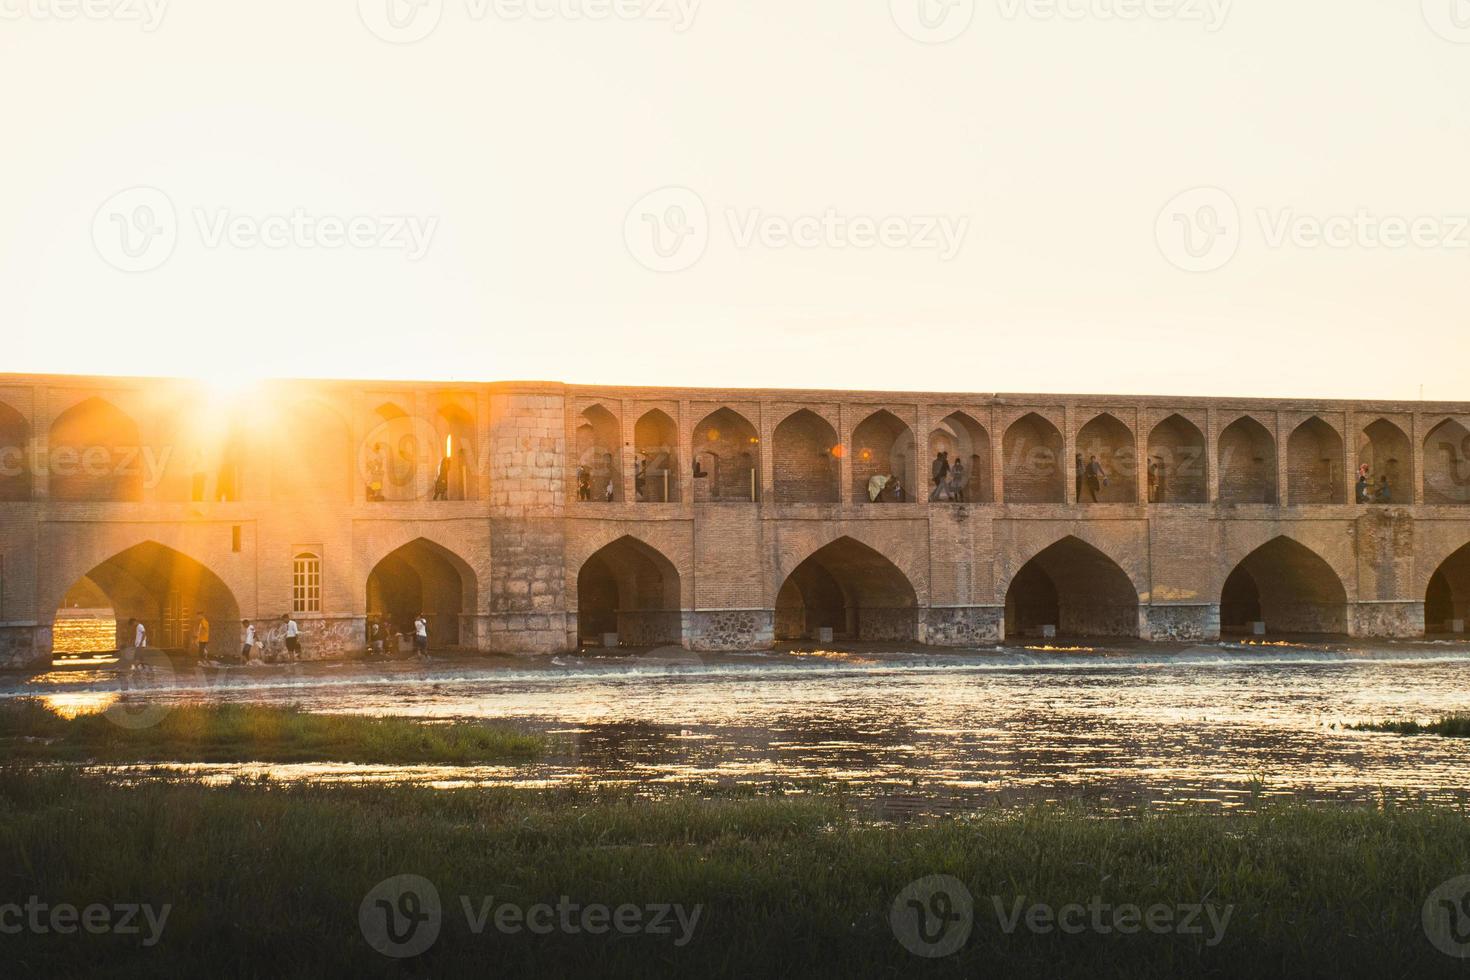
(15, 464)
(1314, 456)
(1389, 456)
(96, 454)
(656, 442)
(1247, 463)
(882, 460)
(455, 478)
(160, 588)
(1108, 443)
(423, 578)
(628, 595)
(598, 473)
(312, 459)
(1447, 464)
(961, 440)
(850, 589)
(806, 455)
(393, 450)
(1033, 462)
(1176, 460)
(1447, 601)
(1287, 587)
(727, 459)
(1074, 589)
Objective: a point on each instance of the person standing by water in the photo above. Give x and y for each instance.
(247, 651)
(201, 638)
(293, 637)
(421, 637)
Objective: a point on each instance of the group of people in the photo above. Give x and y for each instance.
(949, 478)
(376, 469)
(1368, 493)
(380, 629)
(584, 486)
(278, 644)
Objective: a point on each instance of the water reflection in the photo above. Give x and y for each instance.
(1117, 726)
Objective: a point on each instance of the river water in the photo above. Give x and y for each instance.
(910, 730)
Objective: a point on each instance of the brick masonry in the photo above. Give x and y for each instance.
(117, 480)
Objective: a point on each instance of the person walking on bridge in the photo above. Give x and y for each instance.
(1095, 478)
(957, 481)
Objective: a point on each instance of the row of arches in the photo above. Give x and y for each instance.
(807, 455)
(629, 588)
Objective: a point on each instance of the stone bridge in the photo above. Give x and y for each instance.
(539, 517)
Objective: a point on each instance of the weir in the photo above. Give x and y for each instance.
(536, 518)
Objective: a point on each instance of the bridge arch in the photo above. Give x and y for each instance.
(1035, 472)
(965, 439)
(1386, 451)
(1176, 450)
(15, 460)
(853, 590)
(883, 445)
(806, 454)
(95, 453)
(1447, 464)
(311, 457)
(1314, 470)
(423, 576)
(727, 452)
(630, 588)
(1289, 587)
(1110, 441)
(1247, 463)
(1447, 597)
(656, 444)
(598, 441)
(1076, 587)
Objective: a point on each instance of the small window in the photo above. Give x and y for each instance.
(235, 539)
(306, 583)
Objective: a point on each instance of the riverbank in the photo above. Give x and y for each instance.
(264, 879)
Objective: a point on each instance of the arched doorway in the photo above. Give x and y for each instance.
(964, 440)
(1034, 470)
(1074, 588)
(1176, 451)
(599, 478)
(851, 589)
(630, 591)
(1314, 458)
(1108, 441)
(1387, 452)
(806, 455)
(95, 453)
(656, 443)
(1286, 586)
(1247, 463)
(1447, 601)
(161, 588)
(726, 459)
(424, 577)
(883, 446)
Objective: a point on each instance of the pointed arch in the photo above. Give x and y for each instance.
(727, 455)
(424, 577)
(964, 440)
(1447, 464)
(95, 454)
(852, 589)
(1314, 465)
(806, 457)
(883, 445)
(1247, 460)
(1447, 599)
(391, 454)
(15, 463)
(1075, 588)
(1177, 462)
(631, 590)
(1288, 587)
(458, 450)
(599, 473)
(656, 443)
(1034, 469)
(312, 458)
(1110, 442)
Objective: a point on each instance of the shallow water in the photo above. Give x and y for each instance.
(1117, 726)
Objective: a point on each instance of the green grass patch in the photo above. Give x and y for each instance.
(1450, 726)
(255, 733)
(268, 879)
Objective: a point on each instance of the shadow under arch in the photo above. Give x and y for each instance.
(1288, 587)
(851, 589)
(628, 588)
(425, 577)
(1447, 599)
(165, 590)
(1074, 587)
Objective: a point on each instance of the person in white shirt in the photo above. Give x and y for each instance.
(293, 633)
(140, 637)
(248, 650)
(421, 637)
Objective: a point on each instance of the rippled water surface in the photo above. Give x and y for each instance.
(1117, 726)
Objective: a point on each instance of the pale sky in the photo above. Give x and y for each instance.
(997, 212)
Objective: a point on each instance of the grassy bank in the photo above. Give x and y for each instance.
(253, 733)
(268, 880)
(1450, 726)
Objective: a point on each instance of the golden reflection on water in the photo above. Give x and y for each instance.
(80, 703)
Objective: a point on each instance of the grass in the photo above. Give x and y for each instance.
(1450, 726)
(253, 733)
(268, 879)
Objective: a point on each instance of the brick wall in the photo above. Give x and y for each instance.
(1034, 468)
(1247, 464)
(806, 469)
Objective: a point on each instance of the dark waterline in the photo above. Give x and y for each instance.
(1117, 726)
